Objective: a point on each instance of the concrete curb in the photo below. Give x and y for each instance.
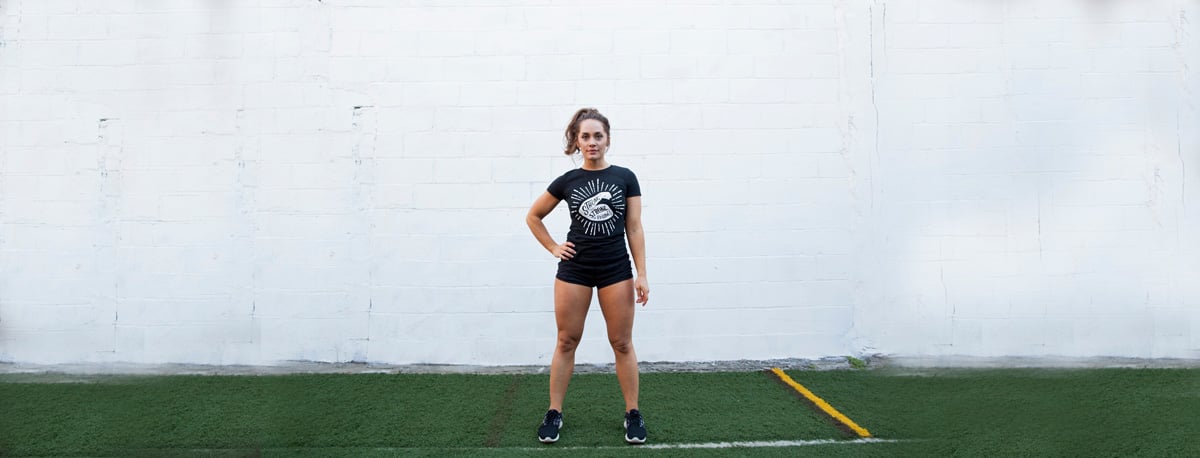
(66, 372)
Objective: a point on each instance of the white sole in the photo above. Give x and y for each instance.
(555, 438)
(625, 426)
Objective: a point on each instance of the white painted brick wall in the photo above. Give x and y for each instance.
(1036, 203)
(346, 180)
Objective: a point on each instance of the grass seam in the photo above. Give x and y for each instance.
(504, 411)
(821, 404)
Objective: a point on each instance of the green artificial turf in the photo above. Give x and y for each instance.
(1021, 412)
(153, 415)
(127, 415)
(1118, 412)
(679, 408)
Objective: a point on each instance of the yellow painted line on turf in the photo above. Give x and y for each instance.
(824, 406)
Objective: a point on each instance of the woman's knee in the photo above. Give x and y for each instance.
(621, 345)
(567, 342)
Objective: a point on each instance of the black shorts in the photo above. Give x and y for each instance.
(593, 274)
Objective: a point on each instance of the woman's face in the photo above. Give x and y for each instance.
(592, 141)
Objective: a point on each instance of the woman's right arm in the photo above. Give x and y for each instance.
(542, 207)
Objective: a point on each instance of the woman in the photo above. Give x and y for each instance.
(606, 207)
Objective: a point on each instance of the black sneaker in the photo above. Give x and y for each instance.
(548, 432)
(635, 427)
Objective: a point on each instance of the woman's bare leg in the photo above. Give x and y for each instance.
(571, 304)
(616, 302)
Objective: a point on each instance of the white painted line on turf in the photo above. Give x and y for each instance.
(759, 444)
(748, 444)
(551, 447)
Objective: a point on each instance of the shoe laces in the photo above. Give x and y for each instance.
(551, 416)
(634, 417)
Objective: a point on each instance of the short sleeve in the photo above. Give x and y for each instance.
(558, 187)
(632, 188)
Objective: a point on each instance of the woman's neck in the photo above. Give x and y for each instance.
(589, 164)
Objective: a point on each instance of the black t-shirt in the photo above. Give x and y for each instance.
(597, 199)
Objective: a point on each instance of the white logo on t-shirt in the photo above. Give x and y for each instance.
(596, 204)
(593, 209)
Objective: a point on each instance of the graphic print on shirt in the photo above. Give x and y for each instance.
(596, 204)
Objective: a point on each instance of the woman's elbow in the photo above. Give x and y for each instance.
(532, 219)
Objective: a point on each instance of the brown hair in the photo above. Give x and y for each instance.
(573, 128)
